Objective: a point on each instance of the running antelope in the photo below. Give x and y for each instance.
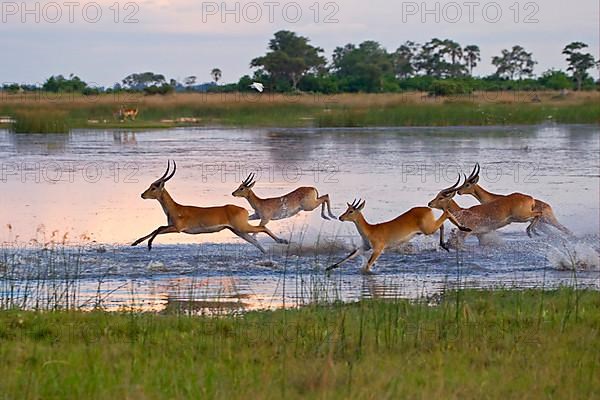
(472, 187)
(276, 208)
(488, 217)
(418, 220)
(196, 220)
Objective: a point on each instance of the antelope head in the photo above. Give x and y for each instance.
(442, 200)
(156, 188)
(471, 182)
(244, 189)
(353, 211)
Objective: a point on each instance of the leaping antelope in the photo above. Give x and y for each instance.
(196, 220)
(488, 217)
(418, 220)
(276, 208)
(471, 187)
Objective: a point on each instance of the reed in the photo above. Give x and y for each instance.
(472, 344)
(41, 120)
(36, 113)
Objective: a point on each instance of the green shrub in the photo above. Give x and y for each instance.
(448, 88)
(41, 121)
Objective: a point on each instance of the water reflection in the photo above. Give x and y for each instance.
(42, 143)
(102, 174)
(124, 138)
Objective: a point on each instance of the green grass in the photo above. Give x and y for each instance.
(38, 115)
(42, 121)
(452, 114)
(474, 344)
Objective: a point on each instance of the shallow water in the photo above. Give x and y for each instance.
(87, 184)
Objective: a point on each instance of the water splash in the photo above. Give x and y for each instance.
(574, 256)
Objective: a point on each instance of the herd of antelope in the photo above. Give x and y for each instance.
(494, 212)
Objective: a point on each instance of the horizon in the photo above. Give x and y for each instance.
(171, 37)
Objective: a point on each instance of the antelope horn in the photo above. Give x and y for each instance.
(165, 174)
(473, 173)
(172, 173)
(249, 179)
(453, 187)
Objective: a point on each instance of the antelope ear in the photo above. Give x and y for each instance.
(475, 180)
(251, 185)
(361, 206)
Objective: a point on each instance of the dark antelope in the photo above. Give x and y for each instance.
(472, 187)
(488, 217)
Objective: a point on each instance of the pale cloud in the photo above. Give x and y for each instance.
(176, 38)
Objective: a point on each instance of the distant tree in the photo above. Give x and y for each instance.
(579, 63)
(403, 60)
(244, 83)
(440, 58)
(471, 55)
(455, 51)
(555, 80)
(363, 68)
(144, 80)
(514, 63)
(216, 75)
(290, 58)
(59, 83)
(190, 81)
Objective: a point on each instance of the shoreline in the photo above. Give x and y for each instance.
(301, 111)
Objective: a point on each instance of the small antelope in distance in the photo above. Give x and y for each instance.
(276, 208)
(418, 220)
(196, 220)
(471, 187)
(125, 113)
(488, 217)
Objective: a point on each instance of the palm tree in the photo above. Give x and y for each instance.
(216, 75)
(472, 56)
(455, 51)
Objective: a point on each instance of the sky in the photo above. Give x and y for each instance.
(104, 41)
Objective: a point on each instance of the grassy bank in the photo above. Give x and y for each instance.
(40, 112)
(473, 344)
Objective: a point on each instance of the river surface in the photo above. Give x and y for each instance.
(70, 206)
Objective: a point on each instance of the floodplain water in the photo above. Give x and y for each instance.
(71, 205)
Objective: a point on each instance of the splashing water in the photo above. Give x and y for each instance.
(574, 257)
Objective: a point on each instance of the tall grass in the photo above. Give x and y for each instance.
(491, 345)
(40, 120)
(41, 114)
(460, 343)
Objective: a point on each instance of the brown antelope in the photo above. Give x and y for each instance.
(471, 187)
(276, 208)
(196, 220)
(125, 113)
(418, 220)
(488, 217)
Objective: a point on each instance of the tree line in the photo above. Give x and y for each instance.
(439, 66)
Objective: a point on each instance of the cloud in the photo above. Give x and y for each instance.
(187, 37)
